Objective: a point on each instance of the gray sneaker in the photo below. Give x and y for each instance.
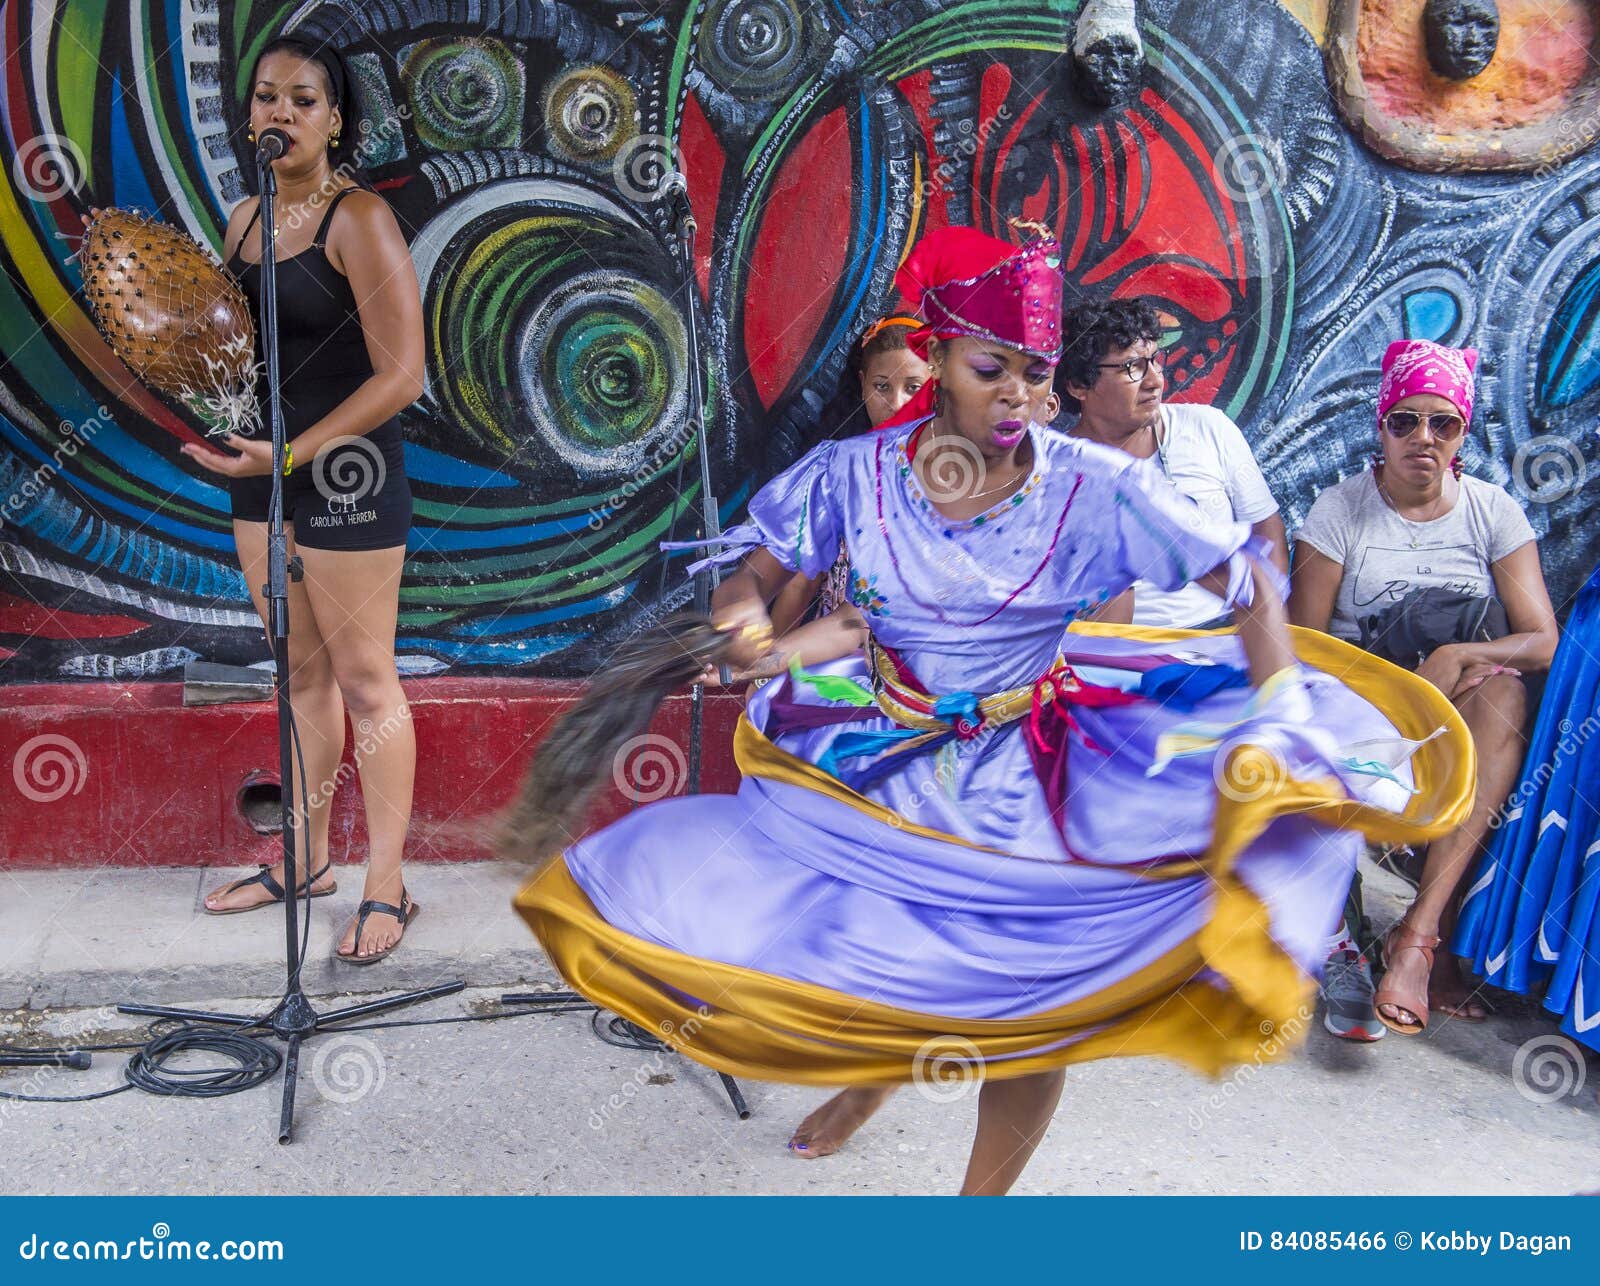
(1347, 991)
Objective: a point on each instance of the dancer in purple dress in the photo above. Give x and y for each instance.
(987, 844)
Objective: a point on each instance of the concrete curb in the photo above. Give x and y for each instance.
(119, 935)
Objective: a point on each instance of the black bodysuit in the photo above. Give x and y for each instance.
(353, 495)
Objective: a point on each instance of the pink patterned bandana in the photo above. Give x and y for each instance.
(1413, 366)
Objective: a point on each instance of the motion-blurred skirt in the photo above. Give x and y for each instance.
(1199, 849)
(1531, 917)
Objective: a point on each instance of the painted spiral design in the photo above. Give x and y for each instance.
(464, 93)
(567, 346)
(589, 113)
(753, 48)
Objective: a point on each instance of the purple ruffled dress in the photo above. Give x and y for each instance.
(1022, 881)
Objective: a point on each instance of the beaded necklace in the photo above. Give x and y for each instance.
(909, 482)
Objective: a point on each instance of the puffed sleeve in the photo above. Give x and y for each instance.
(1169, 541)
(796, 517)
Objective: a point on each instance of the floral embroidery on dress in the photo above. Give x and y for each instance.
(864, 594)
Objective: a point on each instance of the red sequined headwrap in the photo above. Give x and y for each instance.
(971, 285)
(968, 283)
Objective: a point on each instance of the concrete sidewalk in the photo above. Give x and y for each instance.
(539, 1104)
(91, 938)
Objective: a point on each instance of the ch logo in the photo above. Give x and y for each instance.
(342, 502)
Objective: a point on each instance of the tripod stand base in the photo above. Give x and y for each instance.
(292, 1021)
(561, 1002)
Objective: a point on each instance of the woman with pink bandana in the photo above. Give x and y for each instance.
(1415, 522)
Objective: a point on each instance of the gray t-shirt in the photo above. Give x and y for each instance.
(1385, 557)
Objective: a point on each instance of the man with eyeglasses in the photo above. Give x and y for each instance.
(1111, 376)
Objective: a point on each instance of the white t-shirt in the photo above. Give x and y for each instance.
(1205, 456)
(1385, 557)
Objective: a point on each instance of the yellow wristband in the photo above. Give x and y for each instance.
(288, 459)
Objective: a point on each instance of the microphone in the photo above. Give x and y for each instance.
(272, 144)
(674, 190)
(674, 187)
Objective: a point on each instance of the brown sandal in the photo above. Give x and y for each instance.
(1403, 938)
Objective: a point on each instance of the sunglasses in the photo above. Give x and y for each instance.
(1444, 425)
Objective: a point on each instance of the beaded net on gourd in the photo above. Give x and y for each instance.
(174, 315)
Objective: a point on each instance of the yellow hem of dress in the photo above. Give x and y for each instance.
(758, 1025)
(761, 1026)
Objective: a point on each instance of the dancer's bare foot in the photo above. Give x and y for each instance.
(827, 1129)
(382, 930)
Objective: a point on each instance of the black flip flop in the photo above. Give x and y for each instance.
(263, 877)
(405, 913)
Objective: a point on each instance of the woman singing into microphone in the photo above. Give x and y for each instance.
(350, 359)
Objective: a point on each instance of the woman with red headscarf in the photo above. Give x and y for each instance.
(984, 846)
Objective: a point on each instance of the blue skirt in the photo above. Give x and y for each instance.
(1531, 917)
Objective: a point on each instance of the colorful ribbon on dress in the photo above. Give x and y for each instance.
(927, 721)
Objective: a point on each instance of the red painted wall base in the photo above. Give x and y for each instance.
(126, 775)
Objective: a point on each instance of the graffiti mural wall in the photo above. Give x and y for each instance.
(1285, 236)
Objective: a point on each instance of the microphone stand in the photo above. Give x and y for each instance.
(294, 1018)
(710, 518)
(704, 581)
